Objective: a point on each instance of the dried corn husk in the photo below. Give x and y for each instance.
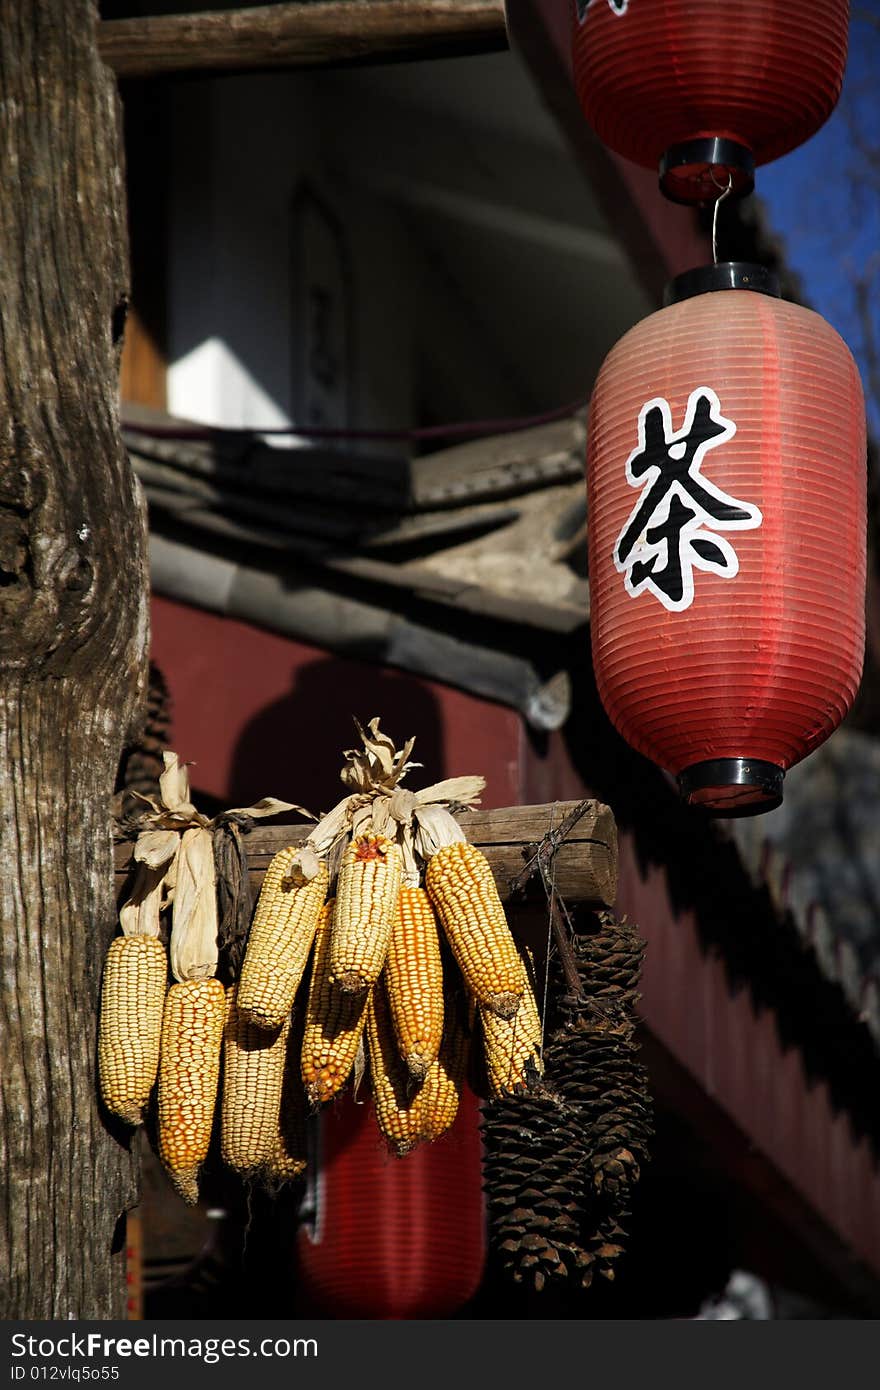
(154, 853)
(437, 828)
(194, 950)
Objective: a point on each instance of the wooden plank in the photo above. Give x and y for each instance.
(585, 866)
(301, 35)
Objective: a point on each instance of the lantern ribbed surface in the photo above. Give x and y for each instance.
(397, 1238)
(765, 73)
(764, 662)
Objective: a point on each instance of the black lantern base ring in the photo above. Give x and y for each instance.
(732, 786)
(699, 171)
(726, 275)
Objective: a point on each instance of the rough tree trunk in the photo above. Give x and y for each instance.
(73, 638)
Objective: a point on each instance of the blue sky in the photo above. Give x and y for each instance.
(824, 198)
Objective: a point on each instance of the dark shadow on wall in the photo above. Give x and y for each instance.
(762, 950)
(294, 747)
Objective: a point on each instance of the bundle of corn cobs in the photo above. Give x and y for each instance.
(149, 1028)
(345, 973)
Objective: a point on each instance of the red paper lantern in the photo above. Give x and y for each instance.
(727, 502)
(394, 1237)
(704, 91)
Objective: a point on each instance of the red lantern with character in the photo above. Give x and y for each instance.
(727, 519)
(705, 92)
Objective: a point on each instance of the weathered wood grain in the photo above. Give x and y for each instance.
(302, 35)
(585, 866)
(73, 639)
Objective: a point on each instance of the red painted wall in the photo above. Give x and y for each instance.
(262, 715)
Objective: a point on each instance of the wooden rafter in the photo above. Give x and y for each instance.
(300, 35)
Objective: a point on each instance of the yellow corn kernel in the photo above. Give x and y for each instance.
(288, 1158)
(462, 888)
(132, 999)
(512, 1046)
(253, 1072)
(189, 1069)
(280, 940)
(442, 1087)
(334, 1022)
(397, 1106)
(366, 898)
(414, 980)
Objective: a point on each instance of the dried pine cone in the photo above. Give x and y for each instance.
(561, 1163)
(533, 1169)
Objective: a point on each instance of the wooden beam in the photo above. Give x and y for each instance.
(336, 33)
(585, 866)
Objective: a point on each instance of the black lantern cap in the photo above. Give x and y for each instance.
(732, 786)
(698, 171)
(727, 275)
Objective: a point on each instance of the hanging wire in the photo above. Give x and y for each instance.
(459, 429)
(718, 201)
(550, 828)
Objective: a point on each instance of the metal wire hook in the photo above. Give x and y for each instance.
(718, 202)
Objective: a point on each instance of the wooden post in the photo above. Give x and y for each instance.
(73, 640)
(302, 35)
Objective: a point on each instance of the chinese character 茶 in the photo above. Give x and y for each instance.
(673, 528)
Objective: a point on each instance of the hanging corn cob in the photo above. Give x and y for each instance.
(442, 1086)
(133, 987)
(287, 1161)
(398, 1109)
(512, 1047)
(366, 897)
(280, 938)
(334, 1022)
(253, 1073)
(132, 997)
(194, 1018)
(189, 1070)
(414, 979)
(461, 886)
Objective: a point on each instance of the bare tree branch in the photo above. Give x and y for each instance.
(865, 286)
